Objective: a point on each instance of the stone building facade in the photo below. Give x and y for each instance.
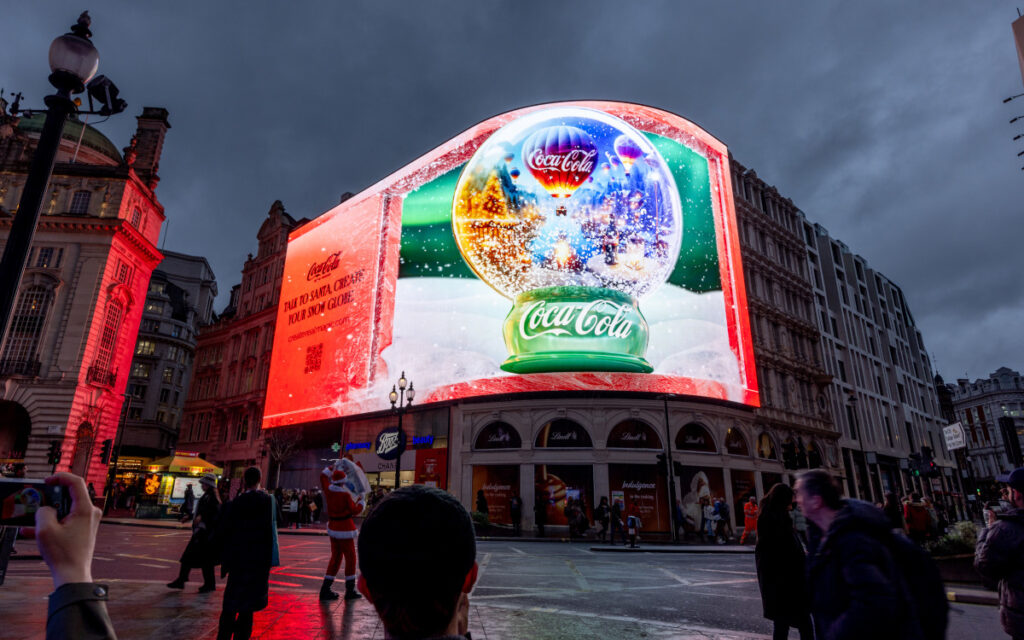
(178, 303)
(882, 397)
(224, 408)
(979, 406)
(67, 357)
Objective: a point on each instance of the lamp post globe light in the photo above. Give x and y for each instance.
(73, 62)
(401, 399)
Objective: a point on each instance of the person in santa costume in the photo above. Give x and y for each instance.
(345, 487)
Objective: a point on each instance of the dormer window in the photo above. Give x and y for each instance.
(136, 217)
(80, 202)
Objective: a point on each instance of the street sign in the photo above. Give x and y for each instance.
(955, 437)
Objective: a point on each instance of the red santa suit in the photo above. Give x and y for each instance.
(344, 486)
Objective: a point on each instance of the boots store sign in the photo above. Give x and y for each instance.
(390, 443)
(579, 245)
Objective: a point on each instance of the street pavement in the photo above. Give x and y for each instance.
(527, 589)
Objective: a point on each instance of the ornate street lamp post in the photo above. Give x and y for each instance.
(73, 62)
(401, 399)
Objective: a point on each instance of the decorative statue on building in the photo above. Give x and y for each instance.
(131, 152)
(345, 487)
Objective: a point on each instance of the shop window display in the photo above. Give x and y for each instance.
(498, 435)
(634, 434)
(694, 437)
(563, 433)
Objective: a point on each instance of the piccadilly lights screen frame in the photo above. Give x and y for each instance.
(351, 301)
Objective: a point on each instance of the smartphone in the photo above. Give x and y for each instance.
(20, 498)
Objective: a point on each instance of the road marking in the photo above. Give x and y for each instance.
(580, 580)
(128, 555)
(675, 577)
(102, 558)
(706, 584)
(283, 584)
(153, 566)
(519, 551)
(295, 575)
(642, 621)
(740, 573)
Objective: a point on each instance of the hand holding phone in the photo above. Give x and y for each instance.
(67, 545)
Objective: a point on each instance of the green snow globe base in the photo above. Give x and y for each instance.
(574, 328)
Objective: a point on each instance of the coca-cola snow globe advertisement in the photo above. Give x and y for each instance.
(573, 215)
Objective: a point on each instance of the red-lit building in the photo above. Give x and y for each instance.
(67, 356)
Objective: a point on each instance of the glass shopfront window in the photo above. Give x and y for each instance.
(563, 434)
(425, 459)
(633, 434)
(699, 484)
(557, 484)
(640, 486)
(498, 435)
(496, 483)
(694, 437)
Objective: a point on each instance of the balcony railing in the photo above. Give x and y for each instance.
(19, 368)
(100, 376)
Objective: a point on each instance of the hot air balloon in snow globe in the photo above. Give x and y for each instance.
(572, 214)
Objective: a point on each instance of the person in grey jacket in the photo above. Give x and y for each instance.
(77, 607)
(999, 556)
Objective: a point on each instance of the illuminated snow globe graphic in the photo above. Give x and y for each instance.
(574, 215)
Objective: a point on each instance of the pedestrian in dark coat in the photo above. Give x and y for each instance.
(781, 565)
(201, 550)
(893, 511)
(481, 503)
(601, 517)
(249, 549)
(515, 509)
(617, 522)
(189, 505)
(540, 512)
(857, 590)
(999, 556)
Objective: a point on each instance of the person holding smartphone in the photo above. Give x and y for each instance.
(77, 607)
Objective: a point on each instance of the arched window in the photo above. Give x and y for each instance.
(80, 202)
(26, 330)
(735, 443)
(694, 437)
(633, 434)
(563, 433)
(108, 340)
(766, 447)
(814, 457)
(498, 435)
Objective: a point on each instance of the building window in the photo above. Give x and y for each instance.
(136, 217)
(140, 370)
(80, 202)
(158, 287)
(145, 348)
(137, 391)
(242, 430)
(175, 331)
(155, 307)
(168, 374)
(124, 273)
(165, 396)
(108, 340)
(694, 437)
(633, 434)
(161, 417)
(27, 324)
(48, 257)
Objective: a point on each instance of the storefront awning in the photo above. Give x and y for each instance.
(191, 464)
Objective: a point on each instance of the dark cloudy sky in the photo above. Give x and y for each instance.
(883, 121)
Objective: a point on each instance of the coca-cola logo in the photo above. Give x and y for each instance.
(322, 269)
(601, 317)
(572, 161)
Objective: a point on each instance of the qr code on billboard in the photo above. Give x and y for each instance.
(314, 356)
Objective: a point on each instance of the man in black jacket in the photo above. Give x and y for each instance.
(857, 590)
(999, 555)
(417, 553)
(247, 539)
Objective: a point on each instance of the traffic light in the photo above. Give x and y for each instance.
(915, 465)
(928, 467)
(105, 451)
(53, 454)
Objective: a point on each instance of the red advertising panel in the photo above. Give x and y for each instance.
(432, 468)
(569, 246)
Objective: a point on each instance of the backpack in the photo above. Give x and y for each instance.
(924, 585)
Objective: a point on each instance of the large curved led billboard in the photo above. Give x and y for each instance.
(570, 246)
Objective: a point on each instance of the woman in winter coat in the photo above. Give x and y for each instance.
(201, 551)
(780, 566)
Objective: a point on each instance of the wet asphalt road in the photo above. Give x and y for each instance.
(525, 590)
